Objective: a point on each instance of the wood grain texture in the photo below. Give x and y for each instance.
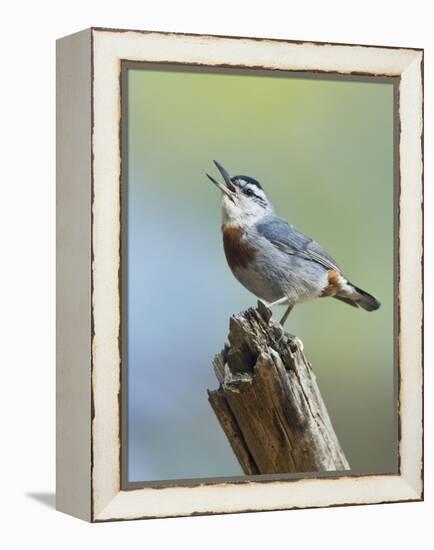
(269, 404)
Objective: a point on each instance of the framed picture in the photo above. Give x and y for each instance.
(239, 267)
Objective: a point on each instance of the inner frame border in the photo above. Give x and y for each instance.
(246, 71)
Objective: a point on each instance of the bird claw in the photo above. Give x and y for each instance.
(287, 339)
(296, 340)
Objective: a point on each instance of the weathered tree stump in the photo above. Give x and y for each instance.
(268, 402)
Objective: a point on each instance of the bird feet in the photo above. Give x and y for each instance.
(291, 340)
(282, 301)
(285, 338)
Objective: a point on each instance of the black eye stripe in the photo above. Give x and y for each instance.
(250, 193)
(248, 186)
(248, 179)
(259, 200)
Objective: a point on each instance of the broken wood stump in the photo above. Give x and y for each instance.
(268, 402)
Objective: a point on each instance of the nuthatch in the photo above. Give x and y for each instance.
(271, 258)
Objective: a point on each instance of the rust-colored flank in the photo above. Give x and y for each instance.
(237, 250)
(334, 283)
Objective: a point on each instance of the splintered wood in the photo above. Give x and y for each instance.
(269, 404)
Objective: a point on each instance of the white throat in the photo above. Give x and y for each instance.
(244, 217)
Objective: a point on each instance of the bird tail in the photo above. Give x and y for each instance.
(365, 300)
(346, 300)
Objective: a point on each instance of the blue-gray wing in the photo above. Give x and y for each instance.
(291, 241)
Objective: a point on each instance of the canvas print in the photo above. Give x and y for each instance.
(258, 274)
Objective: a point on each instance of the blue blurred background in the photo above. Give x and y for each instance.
(323, 150)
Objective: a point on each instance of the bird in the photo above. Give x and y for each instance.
(271, 258)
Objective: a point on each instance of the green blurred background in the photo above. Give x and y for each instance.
(323, 150)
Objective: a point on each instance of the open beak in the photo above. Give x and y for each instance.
(228, 187)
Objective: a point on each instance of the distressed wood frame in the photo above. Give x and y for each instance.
(88, 272)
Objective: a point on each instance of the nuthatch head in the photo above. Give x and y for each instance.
(243, 200)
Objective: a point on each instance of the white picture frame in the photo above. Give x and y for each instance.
(89, 373)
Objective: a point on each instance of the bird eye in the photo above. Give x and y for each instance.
(249, 192)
